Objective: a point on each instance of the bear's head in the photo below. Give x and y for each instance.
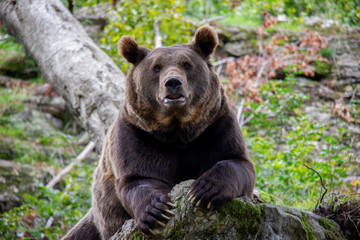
(173, 92)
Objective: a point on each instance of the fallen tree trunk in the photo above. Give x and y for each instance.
(89, 81)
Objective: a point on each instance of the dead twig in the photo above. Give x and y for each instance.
(222, 61)
(209, 20)
(240, 109)
(355, 226)
(353, 95)
(68, 168)
(242, 123)
(322, 184)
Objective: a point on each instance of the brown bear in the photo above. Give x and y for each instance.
(176, 124)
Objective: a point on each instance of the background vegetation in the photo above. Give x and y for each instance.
(282, 138)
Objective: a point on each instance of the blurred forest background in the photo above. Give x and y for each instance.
(290, 68)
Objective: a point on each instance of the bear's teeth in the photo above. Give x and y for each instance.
(174, 100)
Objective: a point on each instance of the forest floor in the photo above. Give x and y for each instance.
(39, 137)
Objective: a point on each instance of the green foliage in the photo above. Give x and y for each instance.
(33, 146)
(20, 131)
(10, 103)
(199, 8)
(281, 139)
(347, 11)
(8, 42)
(137, 18)
(65, 208)
(355, 108)
(327, 52)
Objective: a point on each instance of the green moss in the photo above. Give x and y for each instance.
(307, 225)
(322, 68)
(210, 231)
(287, 210)
(331, 232)
(267, 197)
(177, 231)
(178, 204)
(246, 215)
(138, 236)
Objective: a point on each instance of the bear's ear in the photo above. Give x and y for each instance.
(206, 41)
(130, 50)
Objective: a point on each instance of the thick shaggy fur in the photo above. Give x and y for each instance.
(154, 144)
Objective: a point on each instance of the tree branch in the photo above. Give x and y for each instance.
(322, 184)
(69, 167)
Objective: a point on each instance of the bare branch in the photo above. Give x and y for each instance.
(253, 114)
(353, 94)
(209, 20)
(322, 184)
(91, 145)
(222, 61)
(239, 110)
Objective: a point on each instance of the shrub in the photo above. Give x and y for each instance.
(137, 18)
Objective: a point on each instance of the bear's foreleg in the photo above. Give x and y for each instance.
(222, 183)
(146, 200)
(84, 229)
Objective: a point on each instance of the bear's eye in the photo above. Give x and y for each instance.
(187, 65)
(157, 68)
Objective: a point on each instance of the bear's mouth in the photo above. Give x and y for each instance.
(174, 98)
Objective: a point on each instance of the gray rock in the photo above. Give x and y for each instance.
(16, 180)
(318, 22)
(238, 49)
(243, 218)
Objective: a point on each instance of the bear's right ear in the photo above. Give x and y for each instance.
(206, 41)
(130, 50)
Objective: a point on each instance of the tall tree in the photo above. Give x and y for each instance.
(90, 82)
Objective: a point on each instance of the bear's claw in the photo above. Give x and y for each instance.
(170, 212)
(171, 204)
(166, 217)
(161, 223)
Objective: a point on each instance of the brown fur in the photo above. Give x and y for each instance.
(156, 143)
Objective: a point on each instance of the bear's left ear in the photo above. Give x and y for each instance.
(206, 41)
(130, 50)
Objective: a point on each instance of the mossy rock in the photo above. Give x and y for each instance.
(243, 218)
(322, 68)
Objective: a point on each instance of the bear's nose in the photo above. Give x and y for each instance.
(173, 83)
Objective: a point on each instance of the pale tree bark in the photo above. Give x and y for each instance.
(89, 81)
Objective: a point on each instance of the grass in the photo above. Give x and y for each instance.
(242, 20)
(31, 138)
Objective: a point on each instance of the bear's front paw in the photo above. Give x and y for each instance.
(208, 192)
(155, 214)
